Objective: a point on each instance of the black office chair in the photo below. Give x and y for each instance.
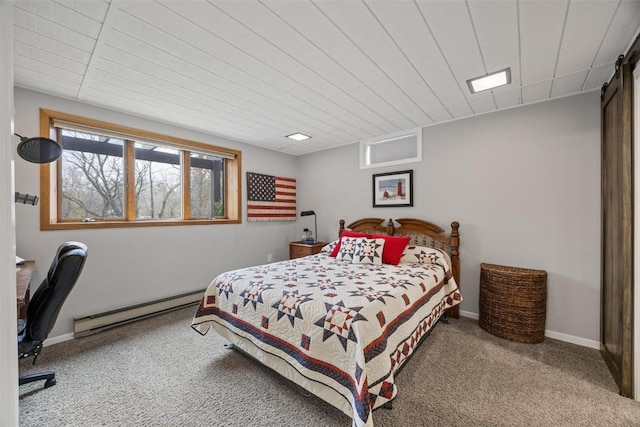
(45, 305)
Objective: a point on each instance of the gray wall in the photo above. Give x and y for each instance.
(524, 185)
(128, 266)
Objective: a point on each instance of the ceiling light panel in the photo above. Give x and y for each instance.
(490, 81)
(298, 136)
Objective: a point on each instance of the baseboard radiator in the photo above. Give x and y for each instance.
(94, 323)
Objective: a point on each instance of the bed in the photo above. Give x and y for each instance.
(342, 323)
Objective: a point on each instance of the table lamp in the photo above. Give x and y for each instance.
(315, 227)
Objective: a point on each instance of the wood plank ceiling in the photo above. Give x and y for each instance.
(339, 71)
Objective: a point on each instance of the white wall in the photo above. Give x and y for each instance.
(133, 265)
(524, 185)
(8, 339)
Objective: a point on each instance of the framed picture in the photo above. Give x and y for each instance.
(393, 189)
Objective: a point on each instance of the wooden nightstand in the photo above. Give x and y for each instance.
(299, 249)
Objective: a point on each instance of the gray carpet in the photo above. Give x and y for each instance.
(159, 372)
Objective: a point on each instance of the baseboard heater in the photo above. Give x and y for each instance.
(94, 323)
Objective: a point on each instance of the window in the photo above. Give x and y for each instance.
(157, 182)
(116, 176)
(395, 149)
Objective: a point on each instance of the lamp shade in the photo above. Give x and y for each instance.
(39, 149)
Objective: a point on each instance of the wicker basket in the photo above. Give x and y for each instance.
(513, 302)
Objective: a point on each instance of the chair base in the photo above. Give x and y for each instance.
(49, 376)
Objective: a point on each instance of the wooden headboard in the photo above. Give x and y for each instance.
(422, 233)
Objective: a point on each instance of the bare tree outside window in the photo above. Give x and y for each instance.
(92, 179)
(112, 176)
(207, 190)
(157, 182)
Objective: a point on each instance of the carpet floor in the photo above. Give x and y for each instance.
(159, 372)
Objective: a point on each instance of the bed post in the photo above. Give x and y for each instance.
(341, 228)
(455, 263)
(390, 228)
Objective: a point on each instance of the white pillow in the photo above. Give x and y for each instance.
(329, 247)
(368, 251)
(347, 248)
(424, 255)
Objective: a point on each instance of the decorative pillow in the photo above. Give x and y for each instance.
(347, 233)
(347, 248)
(393, 247)
(329, 246)
(368, 251)
(425, 255)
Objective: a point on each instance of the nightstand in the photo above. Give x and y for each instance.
(299, 249)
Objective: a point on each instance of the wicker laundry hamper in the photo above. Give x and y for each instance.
(513, 302)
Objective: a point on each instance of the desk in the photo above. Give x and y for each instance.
(23, 277)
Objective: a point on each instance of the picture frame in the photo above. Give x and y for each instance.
(393, 189)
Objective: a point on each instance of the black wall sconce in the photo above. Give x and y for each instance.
(38, 149)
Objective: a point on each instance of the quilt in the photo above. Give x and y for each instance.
(338, 328)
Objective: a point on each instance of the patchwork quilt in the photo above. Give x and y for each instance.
(337, 328)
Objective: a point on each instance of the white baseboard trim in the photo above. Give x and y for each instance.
(572, 339)
(58, 339)
(584, 342)
(469, 314)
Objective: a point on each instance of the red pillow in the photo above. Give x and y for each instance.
(393, 247)
(348, 233)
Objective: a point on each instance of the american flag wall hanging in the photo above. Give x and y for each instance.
(270, 198)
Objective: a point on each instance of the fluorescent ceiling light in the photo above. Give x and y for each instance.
(298, 136)
(490, 81)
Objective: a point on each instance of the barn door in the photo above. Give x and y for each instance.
(616, 322)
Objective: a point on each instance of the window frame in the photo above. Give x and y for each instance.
(50, 179)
